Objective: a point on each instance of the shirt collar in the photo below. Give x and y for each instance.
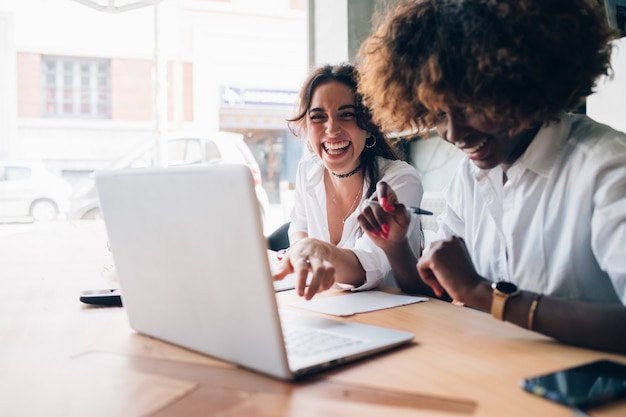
(315, 173)
(542, 152)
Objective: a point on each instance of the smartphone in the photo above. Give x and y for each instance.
(108, 297)
(582, 386)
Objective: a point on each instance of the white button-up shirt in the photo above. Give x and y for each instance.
(309, 213)
(558, 225)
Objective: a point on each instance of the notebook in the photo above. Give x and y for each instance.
(189, 250)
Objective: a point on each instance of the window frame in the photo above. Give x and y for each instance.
(76, 87)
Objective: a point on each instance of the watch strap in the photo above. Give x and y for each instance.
(497, 305)
(499, 298)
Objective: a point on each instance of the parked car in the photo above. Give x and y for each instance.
(183, 149)
(30, 191)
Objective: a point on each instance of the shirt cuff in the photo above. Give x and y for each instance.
(375, 264)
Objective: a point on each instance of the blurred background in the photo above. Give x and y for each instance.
(91, 84)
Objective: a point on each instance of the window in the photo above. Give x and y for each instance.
(15, 173)
(80, 101)
(76, 87)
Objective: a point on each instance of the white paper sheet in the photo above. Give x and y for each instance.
(357, 302)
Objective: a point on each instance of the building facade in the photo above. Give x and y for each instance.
(80, 88)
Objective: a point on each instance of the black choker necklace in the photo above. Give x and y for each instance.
(349, 174)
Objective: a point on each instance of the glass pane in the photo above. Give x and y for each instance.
(16, 173)
(212, 151)
(105, 71)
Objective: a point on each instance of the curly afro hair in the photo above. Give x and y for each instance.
(515, 62)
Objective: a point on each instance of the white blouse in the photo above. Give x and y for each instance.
(309, 213)
(558, 225)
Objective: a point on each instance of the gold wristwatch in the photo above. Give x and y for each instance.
(502, 291)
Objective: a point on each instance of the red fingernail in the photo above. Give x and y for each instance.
(385, 228)
(375, 233)
(383, 202)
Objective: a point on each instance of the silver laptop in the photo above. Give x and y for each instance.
(189, 249)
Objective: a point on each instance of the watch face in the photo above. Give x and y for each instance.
(506, 287)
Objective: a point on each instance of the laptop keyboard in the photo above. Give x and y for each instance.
(306, 341)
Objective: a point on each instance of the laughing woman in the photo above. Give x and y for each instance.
(348, 155)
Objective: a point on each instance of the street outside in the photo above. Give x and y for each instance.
(276, 216)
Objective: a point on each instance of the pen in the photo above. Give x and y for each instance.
(412, 209)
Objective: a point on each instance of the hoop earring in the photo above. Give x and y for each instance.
(372, 145)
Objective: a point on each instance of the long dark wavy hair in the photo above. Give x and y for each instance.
(346, 74)
(516, 63)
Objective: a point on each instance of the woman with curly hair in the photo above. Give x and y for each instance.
(348, 155)
(534, 228)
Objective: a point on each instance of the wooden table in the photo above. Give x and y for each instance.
(59, 357)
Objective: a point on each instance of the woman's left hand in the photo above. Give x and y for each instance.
(447, 266)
